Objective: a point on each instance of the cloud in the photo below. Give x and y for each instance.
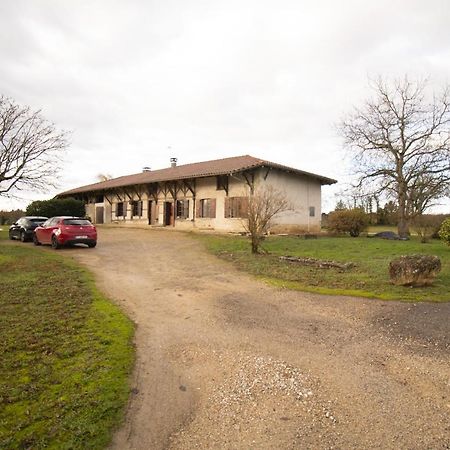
(210, 79)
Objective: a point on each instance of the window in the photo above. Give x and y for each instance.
(206, 208)
(136, 208)
(80, 222)
(182, 209)
(312, 211)
(51, 222)
(236, 207)
(119, 209)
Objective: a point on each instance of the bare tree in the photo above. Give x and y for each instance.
(401, 146)
(30, 149)
(263, 204)
(104, 177)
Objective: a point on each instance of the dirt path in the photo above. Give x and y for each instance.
(225, 362)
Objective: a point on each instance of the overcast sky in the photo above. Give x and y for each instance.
(137, 82)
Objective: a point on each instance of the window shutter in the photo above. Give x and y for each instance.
(243, 207)
(186, 209)
(198, 209)
(212, 213)
(227, 207)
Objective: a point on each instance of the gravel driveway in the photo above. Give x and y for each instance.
(226, 362)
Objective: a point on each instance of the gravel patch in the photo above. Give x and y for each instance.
(262, 403)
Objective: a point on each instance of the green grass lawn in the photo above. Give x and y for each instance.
(65, 356)
(369, 278)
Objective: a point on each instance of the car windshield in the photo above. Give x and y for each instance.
(82, 222)
(37, 220)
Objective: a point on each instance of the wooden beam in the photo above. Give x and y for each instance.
(107, 199)
(137, 192)
(249, 177)
(152, 190)
(127, 194)
(190, 185)
(222, 182)
(119, 196)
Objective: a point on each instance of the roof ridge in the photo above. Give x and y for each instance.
(189, 164)
(212, 167)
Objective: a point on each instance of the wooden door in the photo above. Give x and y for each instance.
(168, 213)
(99, 214)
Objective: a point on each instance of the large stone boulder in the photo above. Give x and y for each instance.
(389, 235)
(414, 270)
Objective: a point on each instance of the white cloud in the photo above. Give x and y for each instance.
(210, 78)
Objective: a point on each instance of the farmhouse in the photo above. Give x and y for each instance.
(204, 195)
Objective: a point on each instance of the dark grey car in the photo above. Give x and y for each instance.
(24, 227)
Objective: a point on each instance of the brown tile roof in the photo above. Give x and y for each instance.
(195, 170)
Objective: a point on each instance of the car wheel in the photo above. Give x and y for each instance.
(55, 244)
(23, 236)
(35, 240)
(92, 244)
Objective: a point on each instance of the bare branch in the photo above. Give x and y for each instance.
(401, 145)
(263, 205)
(30, 149)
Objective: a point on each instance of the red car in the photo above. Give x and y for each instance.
(60, 231)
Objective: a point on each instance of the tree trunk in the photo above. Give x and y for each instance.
(403, 222)
(255, 244)
(403, 226)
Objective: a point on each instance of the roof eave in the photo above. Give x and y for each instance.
(97, 187)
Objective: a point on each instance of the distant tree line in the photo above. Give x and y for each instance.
(377, 214)
(45, 208)
(355, 216)
(9, 217)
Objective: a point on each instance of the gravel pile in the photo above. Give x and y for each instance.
(258, 375)
(260, 403)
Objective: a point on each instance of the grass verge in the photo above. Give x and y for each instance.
(368, 279)
(65, 357)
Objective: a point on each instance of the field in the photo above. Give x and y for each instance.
(369, 277)
(65, 357)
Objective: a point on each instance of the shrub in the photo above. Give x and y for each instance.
(426, 226)
(444, 232)
(351, 221)
(414, 270)
(56, 207)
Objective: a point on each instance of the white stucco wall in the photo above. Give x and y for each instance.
(301, 193)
